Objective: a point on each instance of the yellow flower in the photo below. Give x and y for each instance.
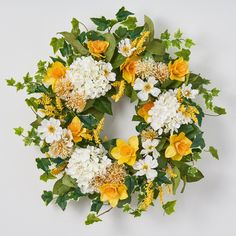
(144, 109)
(77, 130)
(179, 146)
(113, 193)
(128, 70)
(54, 73)
(126, 152)
(178, 69)
(97, 47)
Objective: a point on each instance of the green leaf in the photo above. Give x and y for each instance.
(176, 180)
(46, 176)
(165, 35)
(103, 104)
(156, 47)
(59, 188)
(136, 32)
(47, 197)
(96, 205)
(112, 46)
(89, 121)
(92, 218)
(130, 22)
(62, 202)
(193, 174)
(185, 53)
(75, 27)
(130, 182)
(189, 43)
(121, 32)
(69, 181)
(19, 131)
(57, 44)
(169, 207)
(43, 164)
(122, 14)
(198, 141)
(134, 96)
(126, 207)
(178, 34)
(149, 26)
(117, 61)
(94, 35)
(27, 78)
(19, 86)
(10, 82)
(102, 23)
(214, 152)
(219, 110)
(71, 39)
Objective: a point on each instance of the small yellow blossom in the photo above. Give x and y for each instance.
(190, 111)
(121, 89)
(147, 201)
(126, 152)
(178, 69)
(128, 70)
(179, 146)
(144, 109)
(97, 47)
(113, 193)
(77, 130)
(97, 131)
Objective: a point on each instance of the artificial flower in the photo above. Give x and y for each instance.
(161, 72)
(188, 92)
(146, 167)
(146, 88)
(179, 146)
(97, 47)
(113, 193)
(144, 109)
(178, 69)
(50, 130)
(75, 102)
(106, 71)
(78, 131)
(128, 70)
(85, 164)
(55, 72)
(125, 48)
(145, 67)
(126, 152)
(149, 146)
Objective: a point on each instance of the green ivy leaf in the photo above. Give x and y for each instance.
(169, 207)
(214, 152)
(103, 23)
(96, 205)
(130, 22)
(156, 47)
(165, 35)
(10, 82)
(178, 34)
(19, 131)
(69, 181)
(75, 27)
(43, 164)
(92, 218)
(47, 176)
(57, 44)
(219, 110)
(185, 53)
(122, 14)
(121, 32)
(47, 197)
(59, 188)
(62, 202)
(189, 43)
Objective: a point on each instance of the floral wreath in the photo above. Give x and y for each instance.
(71, 94)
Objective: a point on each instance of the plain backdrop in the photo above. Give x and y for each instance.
(206, 208)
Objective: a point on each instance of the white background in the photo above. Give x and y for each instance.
(206, 208)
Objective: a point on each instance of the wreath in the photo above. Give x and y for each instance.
(73, 92)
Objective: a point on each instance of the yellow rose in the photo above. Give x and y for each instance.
(144, 109)
(97, 47)
(56, 71)
(178, 69)
(128, 70)
(126, 152)
(179, 146)
(113, 193)
(77, 130)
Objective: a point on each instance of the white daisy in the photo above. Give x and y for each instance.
(146, 167)
(50, 130)
(188, 92)
(150, 147)
(146, 88)
(125, 47)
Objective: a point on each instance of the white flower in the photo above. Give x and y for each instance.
(150, 147)
(146, 88)
(188, 92)
(125, 47)
(85, 164)
(165, 116)
(90, 78)
(146, 167)
(50, 130)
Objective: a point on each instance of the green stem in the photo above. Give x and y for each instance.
(206, 114)
(84, 25)
(105, 212)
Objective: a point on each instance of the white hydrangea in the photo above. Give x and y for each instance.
(165, 115)
(85, 164)
(90, 78)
